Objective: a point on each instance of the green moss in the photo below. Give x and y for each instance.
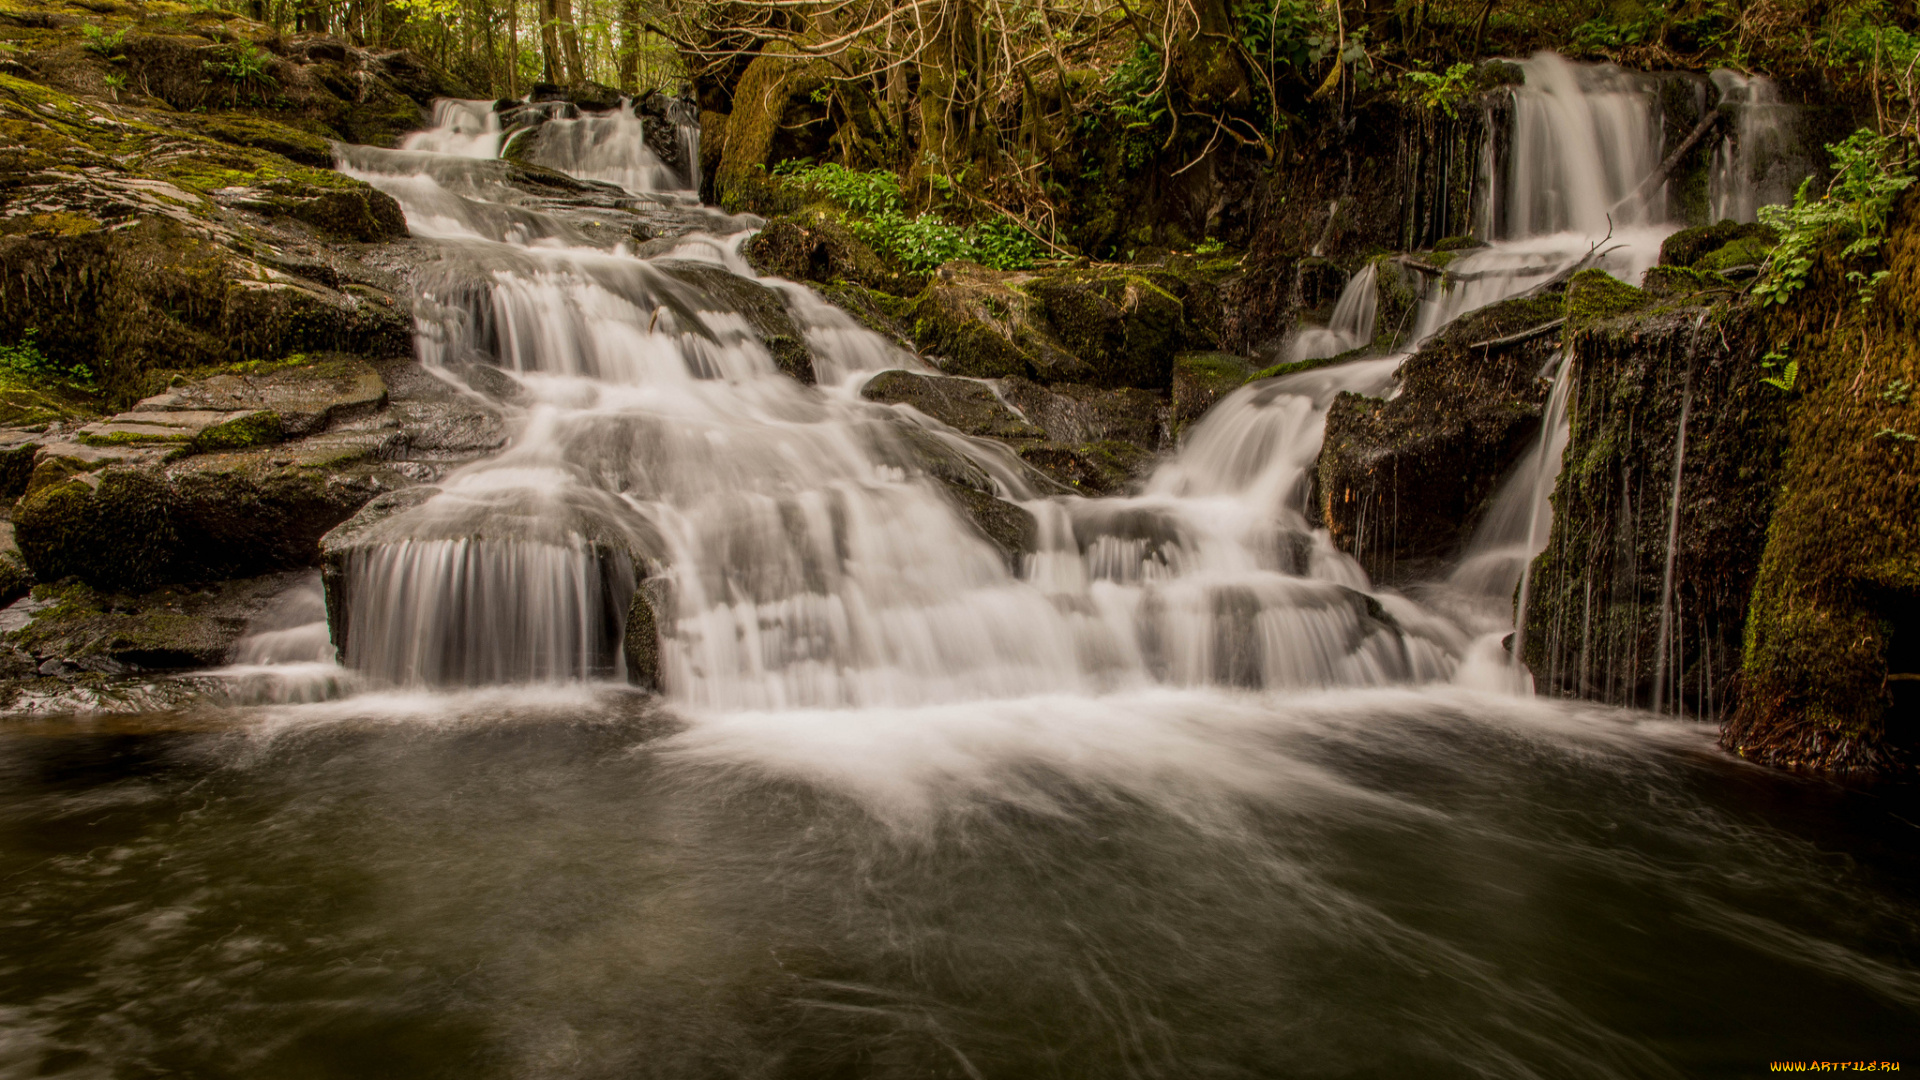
(254, 429)
(1593, 295)
(130, 438)
(1745, 251)
(1688, 246)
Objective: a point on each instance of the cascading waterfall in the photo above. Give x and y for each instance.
(1585, 139)
(1351, 325)
(793, 550)
(1760, 160)
(469, 129)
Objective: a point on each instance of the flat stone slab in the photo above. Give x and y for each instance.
(307, 397)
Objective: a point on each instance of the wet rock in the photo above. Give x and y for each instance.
(214, 516)
(815, 247)
(1011, 529)
(1202, 379)
(641, 643)
(80, 629)
(962, 404)
(1075, 414)
(307, 397)
(1093, 469)
(1595, 597)
(763, 309)
(1401, 483)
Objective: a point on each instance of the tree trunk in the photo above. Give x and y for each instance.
(570, 42)
(552, 69)
(630, 46)
(513, 48)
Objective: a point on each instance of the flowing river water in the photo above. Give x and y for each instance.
(1182, 795)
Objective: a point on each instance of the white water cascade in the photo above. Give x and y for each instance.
(1760, 159)
(793, 548)
(1351, 325)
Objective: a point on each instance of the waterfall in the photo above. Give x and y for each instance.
(685, 114)
(610, 147)
(1351, 325)
(795, 548)
(1585, 138)
(468, 129)
(1760, 160)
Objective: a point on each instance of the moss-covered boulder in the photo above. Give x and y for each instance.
(1202, 379)
(220, 515)
(83, 629)
(1102, 326)
(1689, 246)
(1401, 483)
(814, 246)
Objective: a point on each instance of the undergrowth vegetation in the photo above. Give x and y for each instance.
(876, 213)
(1870, 172)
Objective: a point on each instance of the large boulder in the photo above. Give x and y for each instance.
(1105, 326)
(1402, 481)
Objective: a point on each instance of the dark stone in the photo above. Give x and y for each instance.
(763, 309)
(962, 404)
(1401, 483)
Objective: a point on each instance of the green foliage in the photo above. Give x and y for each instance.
(1286, 35)
(100, 43)
(1612, 32)
(249, 65)
(24, 361)
(1443, 92)
(1870, 172)
(1138, 103)
(920, 241)
(1897, 392)
(1787, 377)
(873, 192)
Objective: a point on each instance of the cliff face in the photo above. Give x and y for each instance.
(1597, 623)
(1832, 645)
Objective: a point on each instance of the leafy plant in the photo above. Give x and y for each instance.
(1870, 172)
(1445, 92)
(100, 43)
(921, 241)
(24, 360)
(250, 66)
(1897, 392)
(1787, 377)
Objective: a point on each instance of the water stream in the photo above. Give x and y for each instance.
(1183, 794)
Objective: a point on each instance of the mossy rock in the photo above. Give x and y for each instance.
(816, 246)
(260, 133)
(1095, 470)
(1200, 380)
(1593, 295)
(169, 628)
(1688, 246)
(1746, 251)
(1126, 327)
(1011, 529)
(974, 322)
(254, 429)
(213, 517)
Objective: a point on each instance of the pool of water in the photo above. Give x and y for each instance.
(576, 883)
